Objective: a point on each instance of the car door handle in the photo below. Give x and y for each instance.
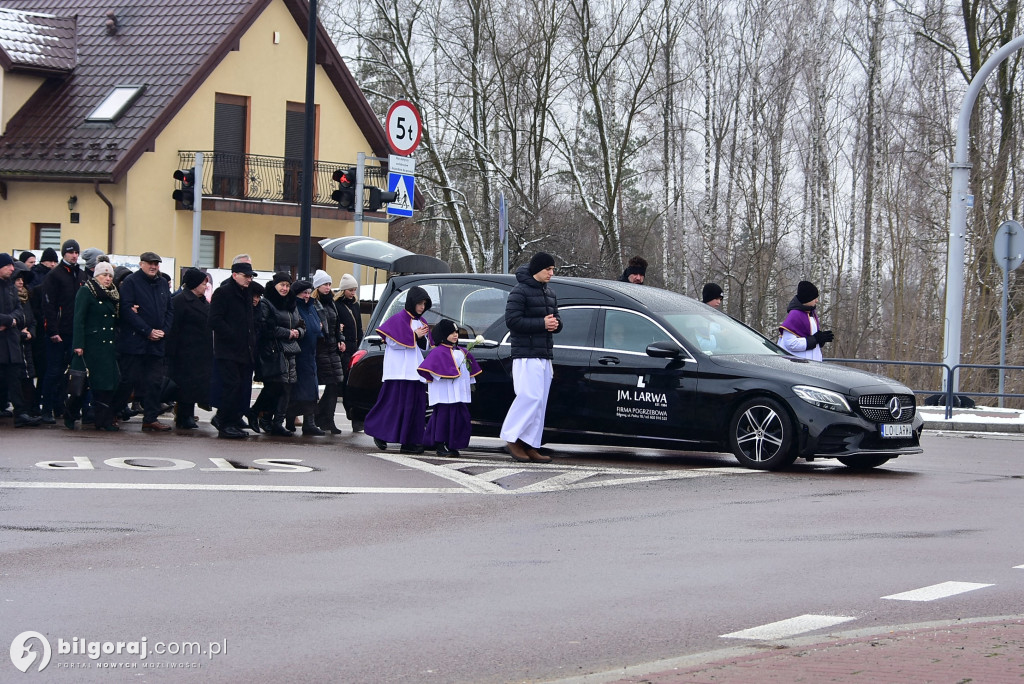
(609, 361)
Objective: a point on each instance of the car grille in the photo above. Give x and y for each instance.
(878, 408)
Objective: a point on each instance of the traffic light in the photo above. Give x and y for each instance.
(345, 195)
(379, 197)
(186, 193)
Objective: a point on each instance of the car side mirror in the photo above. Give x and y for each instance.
(664, 350)
(376, 340)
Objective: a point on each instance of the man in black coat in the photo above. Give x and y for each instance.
(47, 262)
(531, 315)
(146, 318)
(234, 344)
(59, 290)
(12, 360)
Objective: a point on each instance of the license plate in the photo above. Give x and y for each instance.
(894, 430)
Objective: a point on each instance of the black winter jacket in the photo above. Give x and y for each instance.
(12, 317)
(153, 299)
(190, 346)
(528, 303)
(350, 317)
(277, 351)
(233, 322)
(328, 358)
(59, 289)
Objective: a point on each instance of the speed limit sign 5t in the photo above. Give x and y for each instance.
(404, 127)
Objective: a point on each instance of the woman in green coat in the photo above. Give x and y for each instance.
(97, 306)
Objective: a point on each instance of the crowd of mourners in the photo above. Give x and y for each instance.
(90, 344)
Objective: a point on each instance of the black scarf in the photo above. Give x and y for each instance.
(101, 293)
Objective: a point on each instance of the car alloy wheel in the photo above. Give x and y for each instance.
(761, 435)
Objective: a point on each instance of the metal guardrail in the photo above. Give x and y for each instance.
(271, 179)
(950, 376)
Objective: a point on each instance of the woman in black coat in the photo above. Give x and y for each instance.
(328, 355)
(190, 348)
(279, 329)
(350, 319)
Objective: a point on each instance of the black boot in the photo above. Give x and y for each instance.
(309, 426)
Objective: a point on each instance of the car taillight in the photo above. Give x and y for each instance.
(356, 358)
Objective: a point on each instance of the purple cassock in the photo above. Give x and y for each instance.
(398, 415)
(450, 369)
(798, 322)
(440, 363)
(399, 328)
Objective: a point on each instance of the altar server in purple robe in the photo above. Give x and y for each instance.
(801, 334)
(449, 371)
(401, 409)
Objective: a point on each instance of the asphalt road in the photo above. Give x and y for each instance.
(324, 560)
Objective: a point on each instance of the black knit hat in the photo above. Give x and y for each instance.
(49, 254)
(69, 246)
(441, 330)
(281, 277)
(193, 278)
(806, 292)
(256, 290)
(540, 261)
(300, 286)
(711, 291)
(25, 256)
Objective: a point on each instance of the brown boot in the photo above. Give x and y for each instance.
(517, 453)
(534, 455)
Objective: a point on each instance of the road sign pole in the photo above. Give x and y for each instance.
(1002, 324)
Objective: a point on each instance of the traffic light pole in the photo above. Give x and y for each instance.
(197, 209)
(360, 181)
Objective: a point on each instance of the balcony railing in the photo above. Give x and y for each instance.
(271, 179)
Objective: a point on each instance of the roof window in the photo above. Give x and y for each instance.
(115, 104)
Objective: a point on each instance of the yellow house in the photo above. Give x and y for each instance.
(101, 104)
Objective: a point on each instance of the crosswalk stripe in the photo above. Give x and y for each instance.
(787, 628)
(937, 591)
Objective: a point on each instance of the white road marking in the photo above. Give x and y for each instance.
(787, 628)
(470, 482)
(498, 473)
(1018, 567)
(937, 591)
(311, 489)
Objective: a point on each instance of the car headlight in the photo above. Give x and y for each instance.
(822, 398)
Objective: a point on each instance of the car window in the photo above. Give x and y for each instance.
(715, 333)
(577, 326)
(474, 307)
(626, 331)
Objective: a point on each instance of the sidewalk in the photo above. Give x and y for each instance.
(982, 650)
(982, 419)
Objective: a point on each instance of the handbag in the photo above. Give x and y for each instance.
(77, 377)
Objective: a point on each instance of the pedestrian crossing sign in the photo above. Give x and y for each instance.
(404, 187)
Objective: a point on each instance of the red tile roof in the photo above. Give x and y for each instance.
(36, 42)
(170, 47)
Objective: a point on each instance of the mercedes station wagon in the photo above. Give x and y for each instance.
(636, 366)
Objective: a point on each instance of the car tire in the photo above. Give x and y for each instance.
(761, 435)
(863, 462)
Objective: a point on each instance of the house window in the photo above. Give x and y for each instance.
(294, 142)
(115, 104)
(230, 144)
(286, 254)
(209, 249)
(46, 235)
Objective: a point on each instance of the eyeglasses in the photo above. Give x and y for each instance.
(250, 276)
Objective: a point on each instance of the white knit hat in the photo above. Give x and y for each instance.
(347, 283)
(321, 277)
